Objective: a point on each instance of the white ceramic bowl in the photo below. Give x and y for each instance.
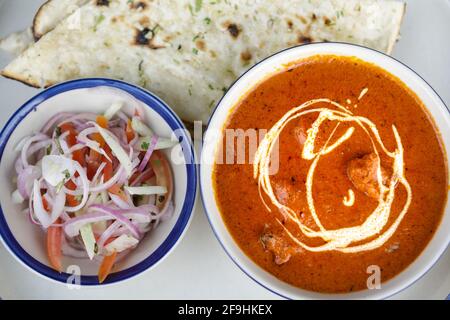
(275, 63)
(27, 242)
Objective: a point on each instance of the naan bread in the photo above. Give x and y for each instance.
(51, 13)
(17, 42)
(189, 52)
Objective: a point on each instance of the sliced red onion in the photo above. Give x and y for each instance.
(24, 154)
(99, 171)
(75, 147)
(42, 215)
(123, 178)
(38, 146)
(120, 134)
(19, 146)
(65, 217)
(73, 226)
(108, 184)
(167, 213)
(139, 178)
(58, 206)
(99, 213)
(133, 142)
(31, 218)
(119, 202)
(53, 120)
(148, 153)
(114, 123)
(18, 166)
(121, 155)
(94, 145)
(87, 116)
(62, 141)
(122, 116)
(119, 217)
(25, 180)
(107, 234)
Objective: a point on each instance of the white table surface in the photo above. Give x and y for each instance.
(198, 268)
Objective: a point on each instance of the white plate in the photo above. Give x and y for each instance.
(199, 268)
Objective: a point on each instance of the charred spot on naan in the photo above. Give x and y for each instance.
(246, 56)
(146, 37)
(328, 22)
(200, 44)
(302, 19)
(233, 29)
(304, 39)
(140, 5)
(290, 24)
(104, 3)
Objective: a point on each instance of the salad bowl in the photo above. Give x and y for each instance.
(26, 241)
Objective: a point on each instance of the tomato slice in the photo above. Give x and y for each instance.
(93, 162)
(95, 159)
(164, 178)
(78, 155)
(71, 200)
(147, 176)
(54, 235)
(54, 253)
(106, 267)
(108, 170)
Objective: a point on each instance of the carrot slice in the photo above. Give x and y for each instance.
(102, 121)
(54, 252)
(106, 267)
(129, 131)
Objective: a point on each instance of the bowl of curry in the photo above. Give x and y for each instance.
(324, 173)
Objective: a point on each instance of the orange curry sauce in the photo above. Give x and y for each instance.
(387, 102)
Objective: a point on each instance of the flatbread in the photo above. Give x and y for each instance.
(51, 13)
(17, 42)
(189, 52)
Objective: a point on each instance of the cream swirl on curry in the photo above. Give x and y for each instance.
(338, 239)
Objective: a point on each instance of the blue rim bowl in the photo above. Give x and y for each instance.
(173, 121)
(244, 263)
